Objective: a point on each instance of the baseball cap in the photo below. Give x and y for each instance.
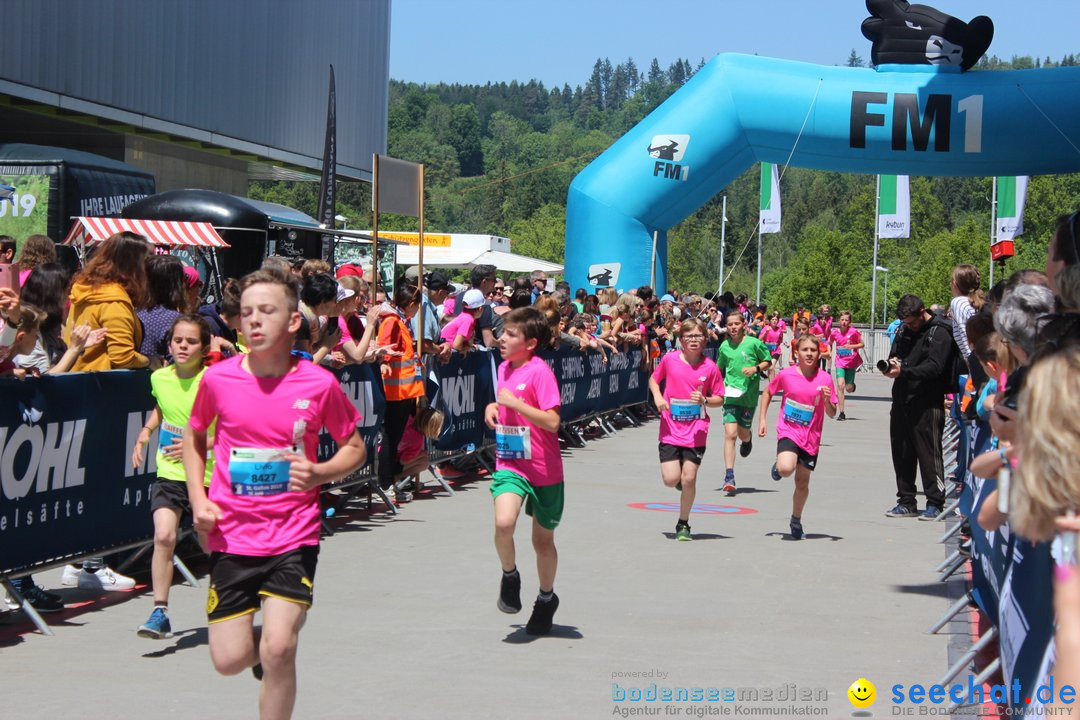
(435, 280)
(350, 269)
(344, 293)
(191, 276)
(412, 272)
(667, 297)
(472, 299)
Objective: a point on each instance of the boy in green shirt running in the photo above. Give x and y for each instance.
(742, 359)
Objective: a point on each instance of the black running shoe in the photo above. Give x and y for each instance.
(510, 594)
(540, 621)
(746, 447)
(841, 416)
(256, 670)
(796, 529)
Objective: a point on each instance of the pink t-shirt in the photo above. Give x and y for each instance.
(256, 419)
(463, 324)
(684, 424)
(846, 358)
(772, 339)
(521, 447)
(802, 411)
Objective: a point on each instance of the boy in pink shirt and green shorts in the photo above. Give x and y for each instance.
(528, 464)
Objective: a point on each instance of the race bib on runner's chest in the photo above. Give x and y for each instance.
(844, 352)
(169, 434)
(260, 472)
(797, 413)
(513, 442)
(684, 410)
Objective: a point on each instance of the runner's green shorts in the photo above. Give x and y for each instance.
(545, 503)
(847, 373)
(741, 414)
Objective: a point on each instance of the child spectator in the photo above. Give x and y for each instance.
(167, 287)
(37, 250)
(460, 331)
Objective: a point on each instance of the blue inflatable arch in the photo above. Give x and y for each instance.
(738, 110)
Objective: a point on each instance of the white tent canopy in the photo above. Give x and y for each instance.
(458, 250)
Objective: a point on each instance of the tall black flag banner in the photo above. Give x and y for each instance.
(327, 186)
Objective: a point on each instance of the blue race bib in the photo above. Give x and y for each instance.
(513, 442)
(797, 413)
(260, 472)
(844, 352)
(684, 410)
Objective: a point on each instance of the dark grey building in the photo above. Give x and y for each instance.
(202, 93)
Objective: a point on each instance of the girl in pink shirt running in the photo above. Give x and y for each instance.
(808, 396)
(692, 384)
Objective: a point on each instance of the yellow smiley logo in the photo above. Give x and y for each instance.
(862, 693)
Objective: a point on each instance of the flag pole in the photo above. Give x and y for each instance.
(420, 269)
(723, 229)
(374, 225)
(652, 273)
(873, 287)
(993, 229)
(757, 295)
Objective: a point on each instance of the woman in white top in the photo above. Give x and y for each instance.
(967, 300)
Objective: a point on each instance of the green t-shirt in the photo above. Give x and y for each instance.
(732, 359)
(175, 397)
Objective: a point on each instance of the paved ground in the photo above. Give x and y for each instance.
(405, 624)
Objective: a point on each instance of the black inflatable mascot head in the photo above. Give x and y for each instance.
(907, 34)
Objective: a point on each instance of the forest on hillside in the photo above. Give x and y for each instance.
(500, 157)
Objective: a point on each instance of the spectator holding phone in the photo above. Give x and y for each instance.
(37, 250)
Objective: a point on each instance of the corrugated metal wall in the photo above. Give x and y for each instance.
(255, 70)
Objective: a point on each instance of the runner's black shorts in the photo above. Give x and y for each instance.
(669, 452)
(170, 494)
(807, 460)
(238, 583)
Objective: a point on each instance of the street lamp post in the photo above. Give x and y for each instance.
(885, 300)
(343, 220)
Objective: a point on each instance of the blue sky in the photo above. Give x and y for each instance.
(557, 41)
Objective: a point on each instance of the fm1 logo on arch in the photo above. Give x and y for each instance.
(669, 151)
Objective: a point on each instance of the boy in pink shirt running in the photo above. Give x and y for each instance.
(808, 396)
(261, 519)
(528, 464)
(692, 384)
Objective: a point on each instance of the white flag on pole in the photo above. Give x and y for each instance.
(894, 207)
(1011, 195)
(769, 216)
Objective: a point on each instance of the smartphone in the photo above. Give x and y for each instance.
(1067, 547)
(355, 326)
(9, 276)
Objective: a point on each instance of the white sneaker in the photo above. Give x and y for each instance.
(70, 577)
(10, 603)
(104, 579)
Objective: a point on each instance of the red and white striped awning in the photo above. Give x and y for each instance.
(168, 233)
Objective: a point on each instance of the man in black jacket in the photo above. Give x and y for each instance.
(920, 363)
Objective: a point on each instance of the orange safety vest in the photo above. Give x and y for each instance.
(404, 381)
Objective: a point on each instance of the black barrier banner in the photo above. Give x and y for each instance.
(588, 385)
(363, 386)
(462, 389)
(67, 486)
(1026, 619)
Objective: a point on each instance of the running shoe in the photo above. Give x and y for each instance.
(542, 614)
(682, 532)
(678, 486)
(104, 579)
(776, 473)
(796, 528)
(729, 485)
(746, 447)
(930, 513)
(157, 627)
(841, 416)
(43, 602)
(510, 594)
(902, 511)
